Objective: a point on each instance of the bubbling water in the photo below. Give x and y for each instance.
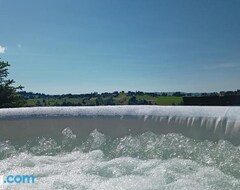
(147, 161)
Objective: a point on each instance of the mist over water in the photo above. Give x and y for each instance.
(146, 161)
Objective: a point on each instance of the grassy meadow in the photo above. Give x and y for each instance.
(109, 99)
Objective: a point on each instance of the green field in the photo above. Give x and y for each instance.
(162, 100)
(120, 99)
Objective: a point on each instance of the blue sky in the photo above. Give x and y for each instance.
(83, 46)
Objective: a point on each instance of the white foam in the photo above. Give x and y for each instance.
(147, 161)
(91, 171)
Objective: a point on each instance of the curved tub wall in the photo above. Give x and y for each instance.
(211, 123)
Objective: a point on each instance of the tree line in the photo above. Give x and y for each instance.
(8, 92)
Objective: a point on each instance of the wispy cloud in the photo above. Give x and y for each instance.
(2, 49)
(221, 66)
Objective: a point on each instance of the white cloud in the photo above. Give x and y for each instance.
(221, 66)
(2, 49)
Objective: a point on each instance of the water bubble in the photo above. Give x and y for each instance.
(146, 161)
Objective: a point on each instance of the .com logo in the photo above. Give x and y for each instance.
(16, 179)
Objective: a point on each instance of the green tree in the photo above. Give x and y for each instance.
(8, 92)
(133, 101)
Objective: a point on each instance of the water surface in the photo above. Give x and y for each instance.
(143, 162)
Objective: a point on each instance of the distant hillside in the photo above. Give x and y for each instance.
(95, 99)
(132, 98)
